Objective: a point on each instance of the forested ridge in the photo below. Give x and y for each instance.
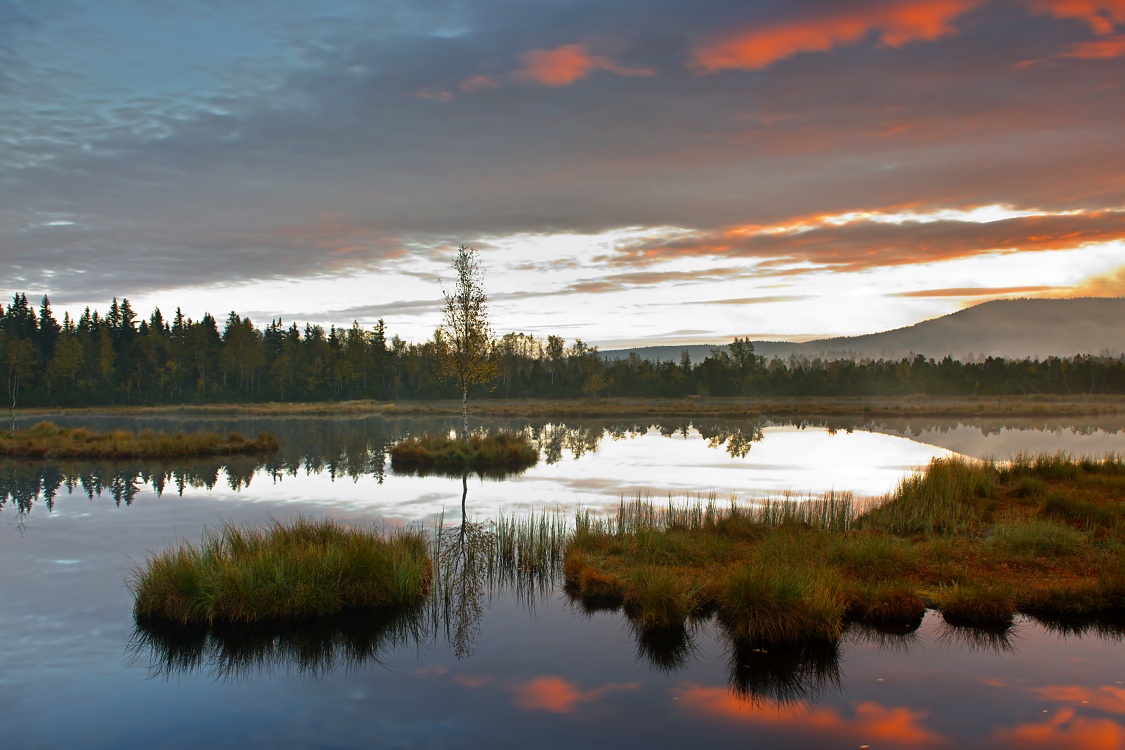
(118, 358)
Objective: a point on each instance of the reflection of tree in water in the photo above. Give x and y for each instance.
(23, 483)
(580, 438)
(736, 437)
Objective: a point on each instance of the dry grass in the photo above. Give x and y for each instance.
(978, 540)
(46, 440)
(871, 407)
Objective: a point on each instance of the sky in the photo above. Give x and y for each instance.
(631, 172)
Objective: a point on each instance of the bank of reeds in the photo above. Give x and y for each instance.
(978, 540)
(298, 570)
(49, 441)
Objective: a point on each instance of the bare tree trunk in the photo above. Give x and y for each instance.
(465, 414)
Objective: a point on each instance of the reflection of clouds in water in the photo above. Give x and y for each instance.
(338, 466)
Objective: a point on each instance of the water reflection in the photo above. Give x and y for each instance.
(604, 457)
(241, 653)
(23, 483)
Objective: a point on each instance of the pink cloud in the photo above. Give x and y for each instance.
(569, 63)
(895, 24)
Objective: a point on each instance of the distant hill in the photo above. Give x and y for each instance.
(1001, 328)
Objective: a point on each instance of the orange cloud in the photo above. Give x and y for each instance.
(568, 64)
(896, 24)
(1100, 15)
(1111, 284)
(871, 722)
(561, 696)
(1108, 698)
(864, 243)
(1098, 49)
(1064, 729)
(975, 292)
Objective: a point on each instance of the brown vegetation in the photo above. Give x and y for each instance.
(46, 440)
(979, 541)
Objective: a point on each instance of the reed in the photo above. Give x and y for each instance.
(49, 441)
(298, 570)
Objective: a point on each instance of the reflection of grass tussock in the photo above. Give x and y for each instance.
(313, 647)
(501, 449)
(976, 539)
(296, 571)
(46, 440)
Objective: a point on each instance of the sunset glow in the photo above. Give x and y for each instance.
(630, 174)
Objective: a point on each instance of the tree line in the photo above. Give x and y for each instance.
(120, 358)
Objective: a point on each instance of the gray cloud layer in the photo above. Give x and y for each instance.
(338, 135)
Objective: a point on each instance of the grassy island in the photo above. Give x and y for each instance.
(978, 540)
(46, 440)
(497, 450)
(295, 571)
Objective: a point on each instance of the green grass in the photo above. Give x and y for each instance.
(978, 540)
(299, 570)
(952, 495)
(500, 449)
(46, 440)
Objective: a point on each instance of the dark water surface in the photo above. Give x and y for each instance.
(533, 669)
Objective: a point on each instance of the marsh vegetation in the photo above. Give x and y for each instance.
(981, 541)
(498, 450)
(49, 441)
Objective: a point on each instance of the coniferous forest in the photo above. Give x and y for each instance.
(120, 358)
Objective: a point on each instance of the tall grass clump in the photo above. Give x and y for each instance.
(291, 571)
(47, 440)
(500, 449)
(781, 603)
(950, 496)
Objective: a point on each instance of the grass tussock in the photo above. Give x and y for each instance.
(500, 449)
(47, 440)
(979, 540)
(299, 570)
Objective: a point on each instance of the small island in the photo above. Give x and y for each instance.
(292, 571)
(501, 450)
(46, 440)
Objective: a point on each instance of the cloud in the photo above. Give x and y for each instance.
(1098, 49)
(990, 292)
(1102, 16)
(1111, 284)
(569, 63)
(894, 24)
(1063, 728)
(322, 158)
(862, 244)
(559, 696)
(870, 722)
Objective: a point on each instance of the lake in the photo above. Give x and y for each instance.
(519, 666)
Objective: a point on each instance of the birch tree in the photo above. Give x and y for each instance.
(464, 339)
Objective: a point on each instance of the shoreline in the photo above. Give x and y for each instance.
(875, 406)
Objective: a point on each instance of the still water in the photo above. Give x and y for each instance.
(531, 668)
